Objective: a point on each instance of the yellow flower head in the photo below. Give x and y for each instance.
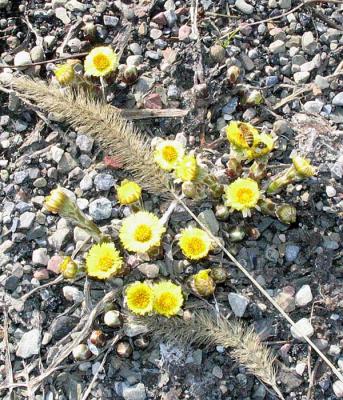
(242, 194)
(187, 169)
(303, 166)
(103, 261)
(128, 192)
(204, 283)
(241, 134)
(141, 232)
(168, 298)
(68, 268)
(264, 145)
(56, 200)
(168, 153)
(195, 243)
(139, 298)
(101, 61)
(64, 74)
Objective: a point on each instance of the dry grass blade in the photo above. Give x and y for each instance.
(206, 329)
(99, 120)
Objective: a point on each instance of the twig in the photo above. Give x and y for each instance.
(74, 28)
(8, 364)
(56, 281)
(194, 16)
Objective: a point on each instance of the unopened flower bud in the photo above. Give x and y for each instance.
(98, 338)
(286, 213)
(65, 74)
(124, 349)
(68, 268)
(219, 274)
(81, 352)
(190, 190)
(267, 206)
(253, 97)
(222, 212)
(233, 73)
(303, 167)
(112, 319)
(203, 284)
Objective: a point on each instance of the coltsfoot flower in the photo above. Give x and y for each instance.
(195, 243)
(128, 192)
(139, 298)
(242, 195)
(241, 134)
(68, 268)
(56, 201)
(203, 283)
(168, 153)
(103, 261)
(168, 298)
(263, 146)
(65, 74)
(101, 61)
(187, 169)
(141, 232)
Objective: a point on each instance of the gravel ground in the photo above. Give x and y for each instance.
(182, 52)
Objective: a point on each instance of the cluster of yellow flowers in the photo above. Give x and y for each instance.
(100, 62)
(164, 298)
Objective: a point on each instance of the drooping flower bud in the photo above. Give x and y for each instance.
(286, 213)
(68, 268)
(219, 274)
(203, 284)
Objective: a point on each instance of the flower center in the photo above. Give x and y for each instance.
(245, 196)
(167, 301)
(169, 153)
(196, 246)
(101, 62)
(141, 299)
(143, 233)
(105, 263)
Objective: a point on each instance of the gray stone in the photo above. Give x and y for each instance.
(149, 270)
(100, 209)
(11, 283)
(110, 20)
(337, 388)
(285, 4)
(321, 82)
(22, 58)
(134, 60)
(61, 326)
(313, 106)
(304, 328)
(29, 344)
(217, 53)
(104, 182)
(171, 17)
(56, 153)
(231, 106)
(136, 392)
(334, 350)
(73, 294)
(60, 238)
(208, 218)
(61, 14)
(155, 33)
(74, 5)
(75, 45)
(291, 252)
(272, 254)
(84, 143)
(303, 296)
(238, 304)
(37, 54)
(40, 256)
(338, 99)
(26, 220)
(308, 42)
(136, 49)
(301, 77)
(277, 47)
(330, 191)
(244, 7)
(66, 163)
(40, 182)
(247, 62)
(132, 329)
(86, 183)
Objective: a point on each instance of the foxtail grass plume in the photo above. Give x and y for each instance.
(128, 192)
(195, 243)
(168, 154)
(139, 298)
(242, 195)
(141, 232)
(101, 61)
(68, 268)
(168, 298)
(103, 261)
(202, 283)
(104, 123)
(58, 202)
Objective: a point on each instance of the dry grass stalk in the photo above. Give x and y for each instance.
(206, 329)
(101, 121)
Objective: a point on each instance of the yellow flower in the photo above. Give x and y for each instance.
(64, 74)
(139, 298)
(128, 192)
(56, 200)
(168, 153)
(195, 243)
(141, 232)
(103, 261)
(242, 194)
(187, 169)
(264, 145)
(241, 134)
(303, 167)
(68, 268)
(168, 298)
(101, 61)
